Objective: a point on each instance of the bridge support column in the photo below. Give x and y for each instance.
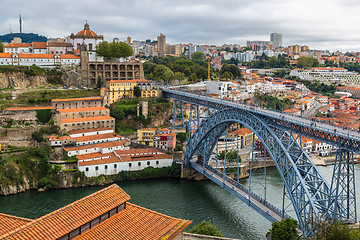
(176, 115)
(343, 204)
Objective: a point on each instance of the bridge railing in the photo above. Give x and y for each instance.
(246, 190)
(316, 125)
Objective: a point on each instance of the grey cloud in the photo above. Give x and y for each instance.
(321, 24)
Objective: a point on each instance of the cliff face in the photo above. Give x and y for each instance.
(20, 80)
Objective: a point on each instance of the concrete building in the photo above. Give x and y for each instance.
(69, 103)
(327, 75)
(85, 112)
(161, 45)
(260, 45)
(89, 132)
(276, 39)
(105, 214)
(221, 88)
(87, 123)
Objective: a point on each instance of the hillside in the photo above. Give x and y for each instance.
(25, 37)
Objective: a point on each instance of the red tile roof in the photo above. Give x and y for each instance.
(135, 222)
(27, 108)
(127, 81)
(101, 145)
(87, 109)
(87, 119)
(17, 45)
(75, 99)
(66, 219)
(96, 137)
(39, 45)
(9, 223)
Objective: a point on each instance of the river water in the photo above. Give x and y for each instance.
(196, 201)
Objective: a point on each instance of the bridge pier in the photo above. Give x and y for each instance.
(343, 205)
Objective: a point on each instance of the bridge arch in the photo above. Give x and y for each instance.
(307, 189)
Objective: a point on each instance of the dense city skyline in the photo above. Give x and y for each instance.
(321, 24)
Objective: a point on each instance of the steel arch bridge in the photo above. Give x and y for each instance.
(312, 198)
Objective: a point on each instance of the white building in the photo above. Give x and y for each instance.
(327, 75)
(41, 60)
(124, 160)
(89, 132)
(106, 147)
(18, 48)
(219, 87)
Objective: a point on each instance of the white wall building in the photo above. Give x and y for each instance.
(41, 60)
(99, 147)
(219, 87)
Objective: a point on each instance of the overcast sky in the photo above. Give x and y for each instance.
(321, 24)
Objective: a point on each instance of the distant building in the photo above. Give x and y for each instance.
(161, 45)
(327, 75)
(260, 45)
(276, 39)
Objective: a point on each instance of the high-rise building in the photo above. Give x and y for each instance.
(276, 39)
(161, 45)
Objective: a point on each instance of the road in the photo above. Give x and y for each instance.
(311, 112)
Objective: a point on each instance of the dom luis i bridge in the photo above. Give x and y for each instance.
(307, 196)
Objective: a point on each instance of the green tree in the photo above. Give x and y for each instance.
(114, 50)
(179, 76)
(206, 228)
(43, 115)
(193, 77)
(116, 112)
(307, 62)
(231, 155)
(1, 47)
(37, 136)
(99, 82)
(280, 73)
(198, 56)
(51, 122)
(335, 231)
(137, 91)
(284, 230)
(231, 69)
(226, 75)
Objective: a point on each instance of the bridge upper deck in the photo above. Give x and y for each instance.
(335, 135)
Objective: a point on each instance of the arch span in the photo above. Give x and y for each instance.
(306, 187)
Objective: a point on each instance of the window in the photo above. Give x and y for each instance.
(87, 169)
(139, 164)
(106, 167)
(96, 168)
(129, 164)
(115, 165)
(157, 162)
(148, 163)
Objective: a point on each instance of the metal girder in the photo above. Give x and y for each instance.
(318, 131)
(307, 189)
(343, 204)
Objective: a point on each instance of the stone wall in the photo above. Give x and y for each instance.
(192, 236)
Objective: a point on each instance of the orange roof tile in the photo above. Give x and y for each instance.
(17, 45)
(75, 99)
(9, 223)
(242, 131)
(95, 137)
(87, 119)
(134, 151)
(89, 130)
(6, 55)
(88, 109)
(39, 45)
(88, 156)
(101, 145)
(66, 219)
(27, 108)
(135, 222)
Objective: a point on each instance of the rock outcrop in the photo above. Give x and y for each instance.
(20, 80)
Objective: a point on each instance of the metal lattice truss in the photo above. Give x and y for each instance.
(343, 204)
(306, 187)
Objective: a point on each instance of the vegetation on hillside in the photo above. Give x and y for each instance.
(206, 228)
(265, 62)
(25, 37)
(324, 89)
(34, 98)
(272, 102)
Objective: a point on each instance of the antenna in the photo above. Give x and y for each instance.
(20, 21)
(10, 27)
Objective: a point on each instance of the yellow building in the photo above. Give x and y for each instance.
(116, 90)
(245, 134)
(146, 136)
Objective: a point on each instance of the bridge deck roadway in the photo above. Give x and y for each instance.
(256, 202)
(216, 103)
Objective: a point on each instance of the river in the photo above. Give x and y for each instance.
(196, 201)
